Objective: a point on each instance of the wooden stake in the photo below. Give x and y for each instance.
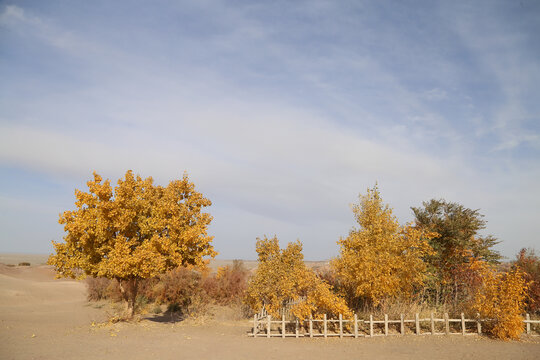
(355, 326)
(432, 325)
(296, 328)
(371, 325)
(340, 326)
(385, 324)
(310, 326)
(446, 324)
(528, 317)
(268, 325)
(417, 322)
(478, 324)
(255, 325)
(325, 326)
(283, 326)
(402, 325)
(463, 324)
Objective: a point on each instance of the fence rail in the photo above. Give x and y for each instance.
(265, 326)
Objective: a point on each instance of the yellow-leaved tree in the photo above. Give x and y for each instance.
(282, 278)
(381, 259)
(500, 300)
(136, 231)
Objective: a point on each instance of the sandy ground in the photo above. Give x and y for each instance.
(43, 318)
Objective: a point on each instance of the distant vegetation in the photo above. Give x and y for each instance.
(145, 244)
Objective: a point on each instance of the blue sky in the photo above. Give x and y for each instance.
(281, 112)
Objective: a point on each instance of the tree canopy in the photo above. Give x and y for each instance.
(458, 242)
(381, 259)
(283, 278)
(136, 231)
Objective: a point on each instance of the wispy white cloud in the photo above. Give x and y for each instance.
(507, 54)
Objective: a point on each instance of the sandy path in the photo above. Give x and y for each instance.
(41, 318)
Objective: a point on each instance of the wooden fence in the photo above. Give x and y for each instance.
(265, 326)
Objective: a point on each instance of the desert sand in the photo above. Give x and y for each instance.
(43, 318)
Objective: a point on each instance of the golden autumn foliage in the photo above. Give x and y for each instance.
(283, 278)
(136, 231)
(500, 298)
(381, 259)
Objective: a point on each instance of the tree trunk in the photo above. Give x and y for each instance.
(129, 290)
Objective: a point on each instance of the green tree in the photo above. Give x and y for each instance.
(458, 240)
(136, 231)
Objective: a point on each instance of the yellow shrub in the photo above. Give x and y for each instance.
(501, 300)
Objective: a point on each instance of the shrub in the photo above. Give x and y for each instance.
(229, 284)
(97, 288)
(501, 299)
(157, 309)
(181, 288)
(24, 263)
(528, 262)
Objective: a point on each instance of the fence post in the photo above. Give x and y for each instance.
(268, 325)
(340, 326)
(446, 324)
(463, 324)
(385, 324)
(478, 324)
(296, 328)
(310, 326)
(417, 322)
(355, 326)
(528, 317)
(255, 325)
(402, 325)
(432, 325)
(283, 326)
(371, 325)
(325, 326)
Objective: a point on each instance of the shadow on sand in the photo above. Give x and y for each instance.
(170, 318)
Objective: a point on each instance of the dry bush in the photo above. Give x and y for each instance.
(24, 263)
(229, 284)
(102, 288)
(146, 288)
(528, 262)
(184, 290)
(97, 288)
(181, 289)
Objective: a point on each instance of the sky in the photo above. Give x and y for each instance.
(281, 112)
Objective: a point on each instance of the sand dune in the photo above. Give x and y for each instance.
(43, 318)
